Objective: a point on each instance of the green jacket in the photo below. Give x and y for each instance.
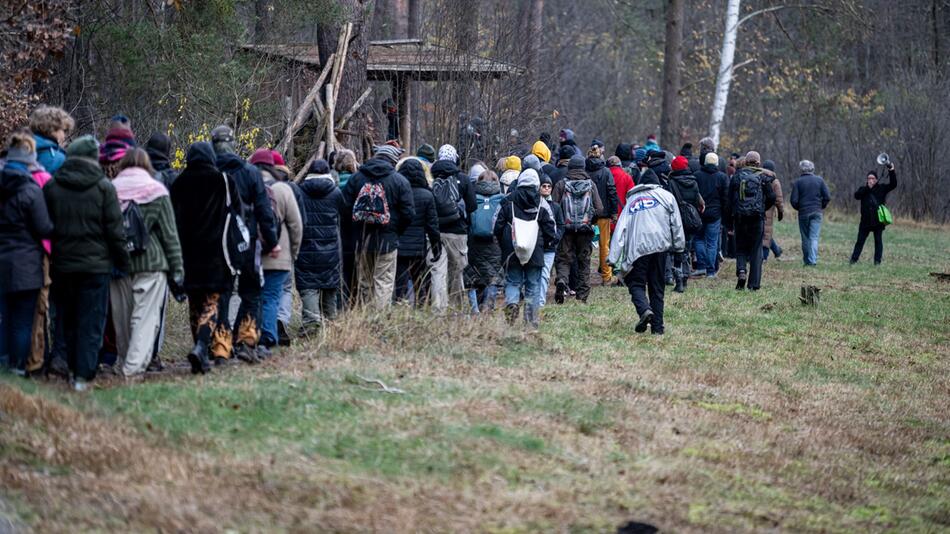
(164, 251)
(88, 235)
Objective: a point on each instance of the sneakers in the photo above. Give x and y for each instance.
(740, 283)
(643, 322)
(79, 385)
(698, 273)
(559, 293)
(263, 352)
(246, 354)
(283, 338)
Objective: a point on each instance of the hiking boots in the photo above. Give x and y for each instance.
(155, 366)
(263, 352)
(198, 358)
(531, 317)
(511, 313)
(680, 286)
(559, 293)
(643, 322)
(283, 338)
(740, 284)
(246, 353)
(698, 273)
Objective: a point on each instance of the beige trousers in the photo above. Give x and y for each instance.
(455, 249)
(137, 316)
(376, 278)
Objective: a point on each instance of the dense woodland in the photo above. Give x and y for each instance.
(834, 81)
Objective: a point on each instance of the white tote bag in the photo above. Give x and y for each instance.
(524, 235)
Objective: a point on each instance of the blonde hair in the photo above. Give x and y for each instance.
(345, 161)
(136, 157)
(47, 119)
(22, 139)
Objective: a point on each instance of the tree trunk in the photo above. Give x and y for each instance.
(414, 18)
(536, 28)
(262, 18)
(726, 63)
(390, 19)
(673, 56)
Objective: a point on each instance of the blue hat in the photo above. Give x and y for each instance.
(639, 154)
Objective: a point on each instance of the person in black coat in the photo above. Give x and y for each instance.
(484, 253)
(200, 198)
(24, 222)
(525, 204)
(317, 268)
(421, 236)
(872, 195)
(714, 187)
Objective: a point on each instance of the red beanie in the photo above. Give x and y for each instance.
(262, 155)
(278, 159)
(680, 163)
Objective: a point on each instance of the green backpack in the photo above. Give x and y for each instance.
(884, 215)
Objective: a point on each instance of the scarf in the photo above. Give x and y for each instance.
(577, 174)
(136, 185)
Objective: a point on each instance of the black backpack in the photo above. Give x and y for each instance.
(751, 199)
(137, 238)
(692, 222)
(237, 238)
(446, 193)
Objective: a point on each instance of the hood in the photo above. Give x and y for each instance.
(158, 149)
(661, 166)
(624, 152)
(710, 168)
(768, 165)
(202, 153)
(542, 151)
(79, 173)
(44, 143)
(567, 135)
(594, 164)
(683, 174)
(318, 185)
(487, 188)
(413, 171)
(377, 168)
(528, 199)
(578, 186)
(12, 180)
(444, 169)
(227, 162)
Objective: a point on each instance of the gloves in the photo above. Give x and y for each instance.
(177, 288)
(436, 251)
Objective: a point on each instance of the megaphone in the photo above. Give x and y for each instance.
(883, 159)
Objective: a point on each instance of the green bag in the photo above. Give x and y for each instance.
(884, 215)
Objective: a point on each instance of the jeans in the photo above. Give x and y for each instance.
(16, 327)
(285, 310)
(646, 277)
(707, 247)
(810, 228)
(773, 246)
(271, 295)
(748, 234)
(878, 244)
(522, 276)
(545, 277)
(83, 300)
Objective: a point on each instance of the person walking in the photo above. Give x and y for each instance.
(777, 212)
(258, 215)
(155, 261)
(317, 268)
(202, 197)
(649, 228)
(550, 250)
(159, 149)
(596, 168)
(89, 247)
(686, 192)
(379, 202)
(422, 234)
(873, 195)
(580, 203)
(50, 126)
(750, 197)
(454, 196)
(523, 259)
(24, 223)
(714, 187)
(810, 196)
(484, 251)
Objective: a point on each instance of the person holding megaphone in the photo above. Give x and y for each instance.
(874, 213)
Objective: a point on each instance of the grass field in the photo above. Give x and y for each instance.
(753, 413)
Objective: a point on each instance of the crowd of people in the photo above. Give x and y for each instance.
(95, 238)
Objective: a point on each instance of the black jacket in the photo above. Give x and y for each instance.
(871, 198)
(250, 184)
(604, 180)
(558, 173)
(425, 221)
(484, 253)
(88, 235)
(527, 203)
(199, 197)
(381, 239)
(685, 187)
(24, 222)
(442, 169)
(558, 225)
(319, 260)
(714, 187)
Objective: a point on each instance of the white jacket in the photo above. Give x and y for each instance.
(649, 223)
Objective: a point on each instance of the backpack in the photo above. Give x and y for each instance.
(136, 233)
(692, 221)
(577, 205)
(446, 193)
(236, 239)
(371, 206)
(524, 235)
(483, 220)
(278, 223)
(751, 199)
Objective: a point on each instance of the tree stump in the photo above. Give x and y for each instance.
(810, 295)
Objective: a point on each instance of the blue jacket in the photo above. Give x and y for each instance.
(318, 264)
(49, 154)
(810, 194)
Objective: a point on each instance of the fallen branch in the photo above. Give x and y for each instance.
(383, 387)
(342, 48)
(356, 106)
(303, 111)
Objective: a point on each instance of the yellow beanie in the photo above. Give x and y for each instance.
(513, 163)
(542, 151)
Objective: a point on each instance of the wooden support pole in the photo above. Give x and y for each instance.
(403, 101)
(303, 112)
(328, 119)
(341, 50)
(356, 106)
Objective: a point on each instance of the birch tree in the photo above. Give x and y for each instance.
(726, 65)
